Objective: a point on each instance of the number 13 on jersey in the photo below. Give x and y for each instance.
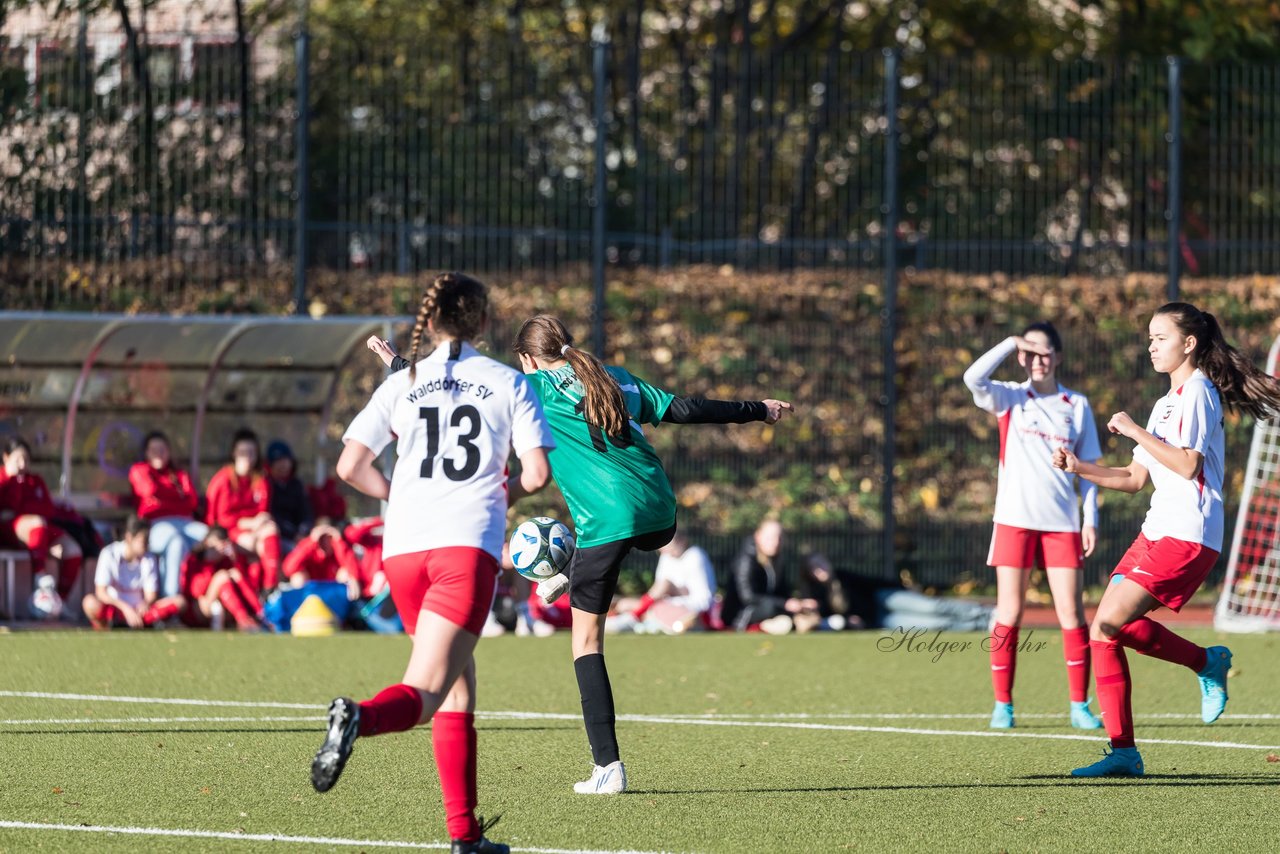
(461, 438)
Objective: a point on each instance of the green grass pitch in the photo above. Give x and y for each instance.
(735, 744)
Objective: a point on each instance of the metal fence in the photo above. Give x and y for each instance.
(202, 185)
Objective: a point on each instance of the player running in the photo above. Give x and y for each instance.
(1037, 520)
(1181, 452)
(456, 416)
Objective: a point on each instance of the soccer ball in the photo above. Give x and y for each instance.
(541, 547)
(45, 603)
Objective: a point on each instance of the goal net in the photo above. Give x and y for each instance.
(1251, 593)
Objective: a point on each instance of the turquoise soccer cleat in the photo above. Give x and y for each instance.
(1115, 762)
(1002, 716)
(1213, 683)
(1082, 717)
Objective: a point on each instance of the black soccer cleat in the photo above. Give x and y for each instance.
(481, 845)
(344, 727)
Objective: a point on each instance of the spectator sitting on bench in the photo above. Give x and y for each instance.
(167, 499)
(28, 515)
(126, 583)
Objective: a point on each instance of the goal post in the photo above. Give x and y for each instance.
(1250, 600)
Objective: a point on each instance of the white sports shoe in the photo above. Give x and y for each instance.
(608, 779)
(551, 589)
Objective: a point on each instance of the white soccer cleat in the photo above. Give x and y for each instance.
(551, 589)
(608, 779)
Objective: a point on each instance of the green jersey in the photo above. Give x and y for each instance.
(614, 485)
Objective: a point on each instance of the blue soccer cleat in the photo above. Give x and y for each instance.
(1116, 762)
(1213, 683)
(1082, 717)
(1002, 716)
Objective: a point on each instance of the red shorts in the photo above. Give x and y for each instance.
(1170, 570)
(1023, 548)
(457, 583)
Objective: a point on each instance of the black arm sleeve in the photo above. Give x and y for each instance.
(699, 410)
(399, 363)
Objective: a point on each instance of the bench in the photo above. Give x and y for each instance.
(12, 600)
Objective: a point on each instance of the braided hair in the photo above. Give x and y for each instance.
(454, 304)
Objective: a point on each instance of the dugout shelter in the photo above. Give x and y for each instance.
(84, 389)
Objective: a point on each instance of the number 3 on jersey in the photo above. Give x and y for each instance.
(471, 463)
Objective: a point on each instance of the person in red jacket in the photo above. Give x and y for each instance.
(367, 535)
(323, 555)
(167, 499)
(217, 570)
(27, 514)
(239, 497)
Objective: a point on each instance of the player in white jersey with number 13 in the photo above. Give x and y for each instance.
(1037, 517)
(456, 416)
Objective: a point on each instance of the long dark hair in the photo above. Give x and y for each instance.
(455, 304)
(1241, 384)
(545, 338)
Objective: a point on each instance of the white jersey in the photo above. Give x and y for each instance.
(127, 580)
(1030, 492)
(455, 426)
(692, 572)
(1190, 416)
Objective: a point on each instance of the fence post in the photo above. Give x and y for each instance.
(1173, 213)
(889, 314)
(302, 168)
(599, 43)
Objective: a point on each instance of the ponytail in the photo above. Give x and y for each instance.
(544, 337)
(1243, 387)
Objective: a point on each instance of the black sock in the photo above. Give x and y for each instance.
(597, 707)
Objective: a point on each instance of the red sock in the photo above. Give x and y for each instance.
(1075, 649)
(248, 596)
(229, 596)
(162, 610)
(38, 541)
(68, 572)
(394, 709)
(453, 737)
(1004, 661)
(646, 602)
(1148, 637)
(1115, 691)
(270, 561)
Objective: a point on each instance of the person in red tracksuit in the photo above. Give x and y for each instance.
(367, 534)
(239, 498)
(323, 555)
(27, 514)
(217, 570)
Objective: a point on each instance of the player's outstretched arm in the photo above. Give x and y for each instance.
(700, 410)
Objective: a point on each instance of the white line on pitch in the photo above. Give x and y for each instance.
(219, 720)
(161, 701)
(275, 837)
(665, 719)
(656, 719)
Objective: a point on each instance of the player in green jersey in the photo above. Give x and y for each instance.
(616, 490)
